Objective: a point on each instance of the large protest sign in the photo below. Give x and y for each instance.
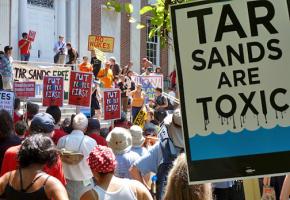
(7, 101)
(112, 104)
(52, 91)
(26, 72)
(80, 90)
(149, 83)
(24, 89)
(103, 43)
(233, 69)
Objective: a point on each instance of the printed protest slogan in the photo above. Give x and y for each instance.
(27, 72)
(24, 89)
(7, 101)
(31, 35)
(112, 104)
(103, 43)
(52, 91)
(149, 83)
(141, 118)
(80, 90)
(233, 66)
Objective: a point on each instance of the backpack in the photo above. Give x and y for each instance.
(169, 154)
(71, 157)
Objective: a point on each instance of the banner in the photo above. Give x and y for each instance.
(80, 90)
(112, 104)
(149, 83)
(7, 101)
(233, 70)
(103, 43)
(31, 35)
(27, 72)
(52, 91)
(141, 118)
(24, 89)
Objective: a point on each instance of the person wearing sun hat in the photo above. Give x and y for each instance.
(138, 140)
(102, 162)
(120, 140)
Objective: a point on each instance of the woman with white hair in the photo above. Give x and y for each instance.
(78, 173)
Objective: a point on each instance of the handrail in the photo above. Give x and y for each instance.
(172, 98)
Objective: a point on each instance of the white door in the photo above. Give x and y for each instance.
(42, 21)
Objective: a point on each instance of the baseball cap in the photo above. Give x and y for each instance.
(93, 124)
(42, 123)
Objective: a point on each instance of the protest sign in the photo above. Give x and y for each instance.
(141, 118)
(27, 72)
(7, 101)
(103, 43)
(100, 55)
(80, 90)
(233, 70)
(112, 104)
(52, 91)
(31, 36)
(24, 89)
(149, 83)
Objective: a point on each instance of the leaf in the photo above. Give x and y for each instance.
(140, 26)
(132, 20)
(129, 8)
(152, 33)
(146, 9)
(117, 7)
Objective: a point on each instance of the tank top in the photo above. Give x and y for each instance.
(138, 99)
(123, 193)
(12, 194)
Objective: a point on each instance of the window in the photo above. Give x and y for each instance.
(152, 45)
(42, 3)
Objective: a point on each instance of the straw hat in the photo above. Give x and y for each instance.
(120, 140)
(137, 136)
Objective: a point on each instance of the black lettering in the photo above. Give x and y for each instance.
(248, 104)
(224, 80)
(204, 105)
(273, 102)
(239, 76)
(274, 49)
(232, 53)
(215, 57)
(197, 59)
(252, 75)
(233, 108)
(258, 58)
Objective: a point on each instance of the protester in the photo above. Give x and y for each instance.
(17, 116)
(72, 54)
(102, 162)
(114, 67)
(31, 110)
(223, 190)
(127, 68)
(173, 79)
(151, 126)
(138, 140)
(96, 63)
(7, 136)
(158, 71)
(20, 129)
(94, 132)
(24, 45)
(55, 112)
(30, 181)
(66, 126)
(60, 51)
(178, 188)
(160, 105)
(42, 123)
(95, 101)
(106, 76)
(138, 99)
(146, 64)
(123, 122)
(6, 68)
(147, 71)
(86, 66)
(78, 175)
(120, 140)
(124, 87)
(160, 157)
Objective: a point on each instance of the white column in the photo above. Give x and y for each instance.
(73, 27)
(61, 17)
(23, 17)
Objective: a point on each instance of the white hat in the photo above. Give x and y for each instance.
(119, 140)
(137, 136)
(174, 124)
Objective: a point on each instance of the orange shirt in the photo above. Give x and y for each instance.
(85, 67)
(138, 99)
(106, 77)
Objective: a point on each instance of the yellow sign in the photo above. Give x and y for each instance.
(104, 43)
(141, 117)
(100, 55)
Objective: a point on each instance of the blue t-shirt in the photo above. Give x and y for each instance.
(5, 66)
(124, 162)
(141, 151)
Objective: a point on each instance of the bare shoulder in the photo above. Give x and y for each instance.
(140, 190)
(55, 189)
(90, 195)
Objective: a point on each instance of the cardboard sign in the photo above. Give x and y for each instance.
(141, 118)
(31, 35)
(233, 70)
(100, 55)
(103, 43)
(24, 72)
(80, 90)
(24, 89)
(149, 83)
(112, 104)
(52, 91)
(7, 101)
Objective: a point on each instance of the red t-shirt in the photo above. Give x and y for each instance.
(25, 49)
(10, 163)
(99, 139)
(58, 133)
(17, 118)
